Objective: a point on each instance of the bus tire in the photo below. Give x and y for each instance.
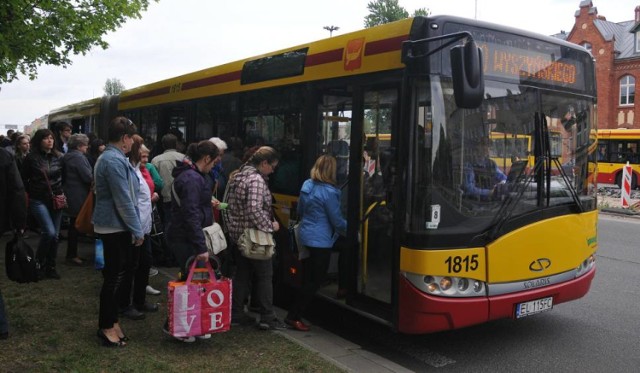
(634, 181)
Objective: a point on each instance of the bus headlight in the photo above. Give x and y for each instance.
(447, 286)
(586, 265)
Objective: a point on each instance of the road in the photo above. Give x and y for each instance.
(598, 333)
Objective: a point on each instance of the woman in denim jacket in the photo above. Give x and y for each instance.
(321, 223)
(117, 222)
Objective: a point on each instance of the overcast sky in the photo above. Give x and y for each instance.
(175, 37)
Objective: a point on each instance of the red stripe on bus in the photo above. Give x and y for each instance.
(324, 57)
(383, 46)
(216, 79)
(152, 93)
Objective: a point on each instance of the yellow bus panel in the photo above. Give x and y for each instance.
(534, 251)
(468, 262)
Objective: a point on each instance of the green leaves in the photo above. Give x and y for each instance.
(386, 11)
(39, 32)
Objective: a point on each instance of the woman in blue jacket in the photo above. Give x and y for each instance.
(321, 223)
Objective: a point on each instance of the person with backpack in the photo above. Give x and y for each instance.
(13, 213)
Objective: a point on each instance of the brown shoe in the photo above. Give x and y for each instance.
(297, 325)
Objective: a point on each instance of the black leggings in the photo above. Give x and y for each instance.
(315, 269)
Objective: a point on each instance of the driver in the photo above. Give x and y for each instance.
(481, 174)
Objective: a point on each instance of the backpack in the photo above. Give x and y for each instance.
(20, 261)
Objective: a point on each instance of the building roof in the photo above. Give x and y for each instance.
(622, 33)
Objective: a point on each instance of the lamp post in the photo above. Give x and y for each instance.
(331, 29)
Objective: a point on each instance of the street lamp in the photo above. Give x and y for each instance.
(331, 29)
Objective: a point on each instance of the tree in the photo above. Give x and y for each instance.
(113, 87)
(386, 11)
(33, 33)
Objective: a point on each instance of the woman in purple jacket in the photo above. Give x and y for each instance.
(321, 223)
(191, 208)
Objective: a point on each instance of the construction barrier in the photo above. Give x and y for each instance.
(625, 194)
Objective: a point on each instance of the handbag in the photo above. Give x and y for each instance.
(297, 247)
(157, 228)
(59, 200)
(213, 234)
(256, 244)
(199, 307)
(214, 238)
(20, 260)
(83, 220)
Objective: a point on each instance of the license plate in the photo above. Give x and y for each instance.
(533, 307)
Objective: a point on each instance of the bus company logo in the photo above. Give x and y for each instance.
(353, 54)
(540, 265)
(537, 283)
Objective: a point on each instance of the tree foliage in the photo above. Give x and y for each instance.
(386, 11)
(113, 86)
(36, 32)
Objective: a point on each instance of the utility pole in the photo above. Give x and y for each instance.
(331, 29)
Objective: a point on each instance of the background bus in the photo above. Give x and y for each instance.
(422, 253)
(616, 147)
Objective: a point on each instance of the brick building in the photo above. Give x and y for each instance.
(616, 49)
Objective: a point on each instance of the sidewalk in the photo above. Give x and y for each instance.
(336, 350)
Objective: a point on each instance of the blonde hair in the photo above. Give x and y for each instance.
(324, 170)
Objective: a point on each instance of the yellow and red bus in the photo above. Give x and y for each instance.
(421, 253)
(616, 147)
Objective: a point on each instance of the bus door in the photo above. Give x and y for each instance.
(376, 259)
(334, 137)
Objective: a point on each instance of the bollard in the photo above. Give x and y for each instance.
(625, 191)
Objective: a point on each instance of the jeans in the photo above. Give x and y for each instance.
(261, 272)
(314, 272)
(118, 252)
(136, 276)
(49, 221)
(4, 325)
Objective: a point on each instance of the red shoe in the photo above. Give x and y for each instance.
(297, 325)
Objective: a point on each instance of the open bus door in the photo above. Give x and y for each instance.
(359, 136)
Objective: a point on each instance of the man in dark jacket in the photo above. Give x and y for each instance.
(13, 212)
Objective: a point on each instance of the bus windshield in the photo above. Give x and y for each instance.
(525, 149)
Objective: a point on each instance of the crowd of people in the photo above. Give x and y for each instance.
(187, 189)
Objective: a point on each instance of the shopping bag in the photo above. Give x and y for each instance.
(198, 307)
(297, 247)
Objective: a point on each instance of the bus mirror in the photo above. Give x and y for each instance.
(468, 80)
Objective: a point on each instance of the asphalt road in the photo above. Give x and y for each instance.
(598, 333)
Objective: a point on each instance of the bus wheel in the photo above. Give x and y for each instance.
(634, 181)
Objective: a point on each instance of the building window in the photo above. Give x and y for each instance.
(638, 41)
(627, 90)
(587, 46)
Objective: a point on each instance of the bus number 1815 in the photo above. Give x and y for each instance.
(458, 264)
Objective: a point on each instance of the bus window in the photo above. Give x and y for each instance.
(336, 132)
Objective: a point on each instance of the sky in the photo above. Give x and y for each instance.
(175, 37)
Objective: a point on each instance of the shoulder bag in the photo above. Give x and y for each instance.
(256, 244)
(83, 220)
(59, 200)
(213, 234)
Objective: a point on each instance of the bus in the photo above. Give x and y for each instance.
(616, 147)
(422, 97)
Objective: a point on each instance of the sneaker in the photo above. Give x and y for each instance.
(152, 291)
(244, 320)
(132, 313)
(165, 329)
(52, 273)
(204, 336)
(147, 307)
(152, 272)
(273, 324)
